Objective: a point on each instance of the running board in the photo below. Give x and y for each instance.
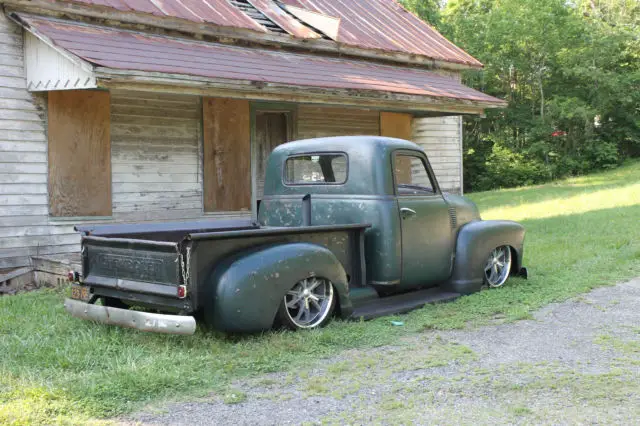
(402, 303)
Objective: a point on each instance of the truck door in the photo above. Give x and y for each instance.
(427, 237)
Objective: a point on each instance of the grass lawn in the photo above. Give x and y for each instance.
(581, 233)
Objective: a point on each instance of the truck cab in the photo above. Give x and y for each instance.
(387, 183)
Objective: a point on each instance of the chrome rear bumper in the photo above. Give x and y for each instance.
(144, 321)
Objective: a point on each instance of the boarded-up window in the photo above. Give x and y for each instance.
(272, 129)
(395, 125)
(398, 125)
(227, 155)
(79, 153)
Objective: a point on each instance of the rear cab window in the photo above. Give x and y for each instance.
(316, 169)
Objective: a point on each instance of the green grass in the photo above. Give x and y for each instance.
(581, 233)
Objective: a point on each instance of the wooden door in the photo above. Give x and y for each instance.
(272, 129)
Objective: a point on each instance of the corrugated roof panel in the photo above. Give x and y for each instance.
(126, 50)
(218, 12)
(250, 10)
(369, 24)
(275, 13)
(384, 24)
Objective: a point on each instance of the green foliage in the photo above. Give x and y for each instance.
(503, 167)
(570, 72)
(428, 10)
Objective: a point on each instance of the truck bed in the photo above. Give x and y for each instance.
(146, 264)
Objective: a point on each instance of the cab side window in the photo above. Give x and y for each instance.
(412, 176)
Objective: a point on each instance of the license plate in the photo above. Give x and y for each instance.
(80, 292)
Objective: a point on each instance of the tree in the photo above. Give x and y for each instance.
(428, 10)
(570, 72)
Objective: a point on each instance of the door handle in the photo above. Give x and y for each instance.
(407, 213)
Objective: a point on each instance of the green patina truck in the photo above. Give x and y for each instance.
(350, 226)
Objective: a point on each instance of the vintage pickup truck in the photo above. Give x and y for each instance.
(350, 226)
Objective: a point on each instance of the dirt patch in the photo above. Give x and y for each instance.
(574, 362)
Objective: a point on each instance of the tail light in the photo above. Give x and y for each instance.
(73, 276)
(182, 291)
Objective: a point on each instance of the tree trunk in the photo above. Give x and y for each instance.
(541, 95)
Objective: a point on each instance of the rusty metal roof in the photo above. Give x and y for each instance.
(218, 12)
(386, 25)
(382, 25)
(127, 50)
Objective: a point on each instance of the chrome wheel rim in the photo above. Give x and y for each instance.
(496, 270)
(309, 302)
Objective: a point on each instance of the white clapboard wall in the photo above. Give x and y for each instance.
(155, 156)
(156, 161)
(321, 121)
(441, 138)
(25, 228)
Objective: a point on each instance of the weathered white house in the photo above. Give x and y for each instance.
(148, 110)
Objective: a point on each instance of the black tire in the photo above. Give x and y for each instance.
(300, 310)
(112, 302)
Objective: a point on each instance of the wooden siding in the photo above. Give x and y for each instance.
(441, 138)
(25, 228)
(227, 154)
(156, 156)
(320, 121)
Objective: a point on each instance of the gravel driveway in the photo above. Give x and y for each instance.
(575, 362)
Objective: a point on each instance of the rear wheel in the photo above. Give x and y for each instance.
(498, 266)
(309, 304)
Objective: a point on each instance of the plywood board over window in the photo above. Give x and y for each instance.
(227, 154)
(398, 125)
(79, 153)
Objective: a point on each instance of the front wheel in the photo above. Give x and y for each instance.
(309, 304)
(498, 266)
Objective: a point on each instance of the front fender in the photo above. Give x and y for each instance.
(244, 291)
(474, 243)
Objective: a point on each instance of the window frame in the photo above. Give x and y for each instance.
(308, 154)
(425, 162)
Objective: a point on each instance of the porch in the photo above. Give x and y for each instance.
(113, 138)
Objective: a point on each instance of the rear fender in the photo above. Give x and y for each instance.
(474, 243)
(244, 291)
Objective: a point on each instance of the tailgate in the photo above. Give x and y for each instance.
(139, 266)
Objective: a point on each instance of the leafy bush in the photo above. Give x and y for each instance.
(504, 168)
(601, 155)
